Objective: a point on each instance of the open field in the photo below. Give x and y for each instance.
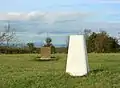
(23, 71)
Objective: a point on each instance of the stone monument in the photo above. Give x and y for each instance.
(77, 60)
(46, 50)
(45, 53)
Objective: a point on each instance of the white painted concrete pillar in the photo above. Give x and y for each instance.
(77, 60)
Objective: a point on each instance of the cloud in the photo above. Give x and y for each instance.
(36, 21)
(46, 17)
(12, 16)
(33, 26)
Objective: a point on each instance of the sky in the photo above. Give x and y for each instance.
(32, 19)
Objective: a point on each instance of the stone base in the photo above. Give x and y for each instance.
(45, 59)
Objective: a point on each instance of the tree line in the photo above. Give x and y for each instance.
(101, 42)
(97, 42)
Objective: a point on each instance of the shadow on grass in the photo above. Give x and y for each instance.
(96, 71)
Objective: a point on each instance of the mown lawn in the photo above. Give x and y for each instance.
(24, 71)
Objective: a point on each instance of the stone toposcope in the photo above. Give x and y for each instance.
(45, 53)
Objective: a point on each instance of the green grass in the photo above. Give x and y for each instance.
(23, 71)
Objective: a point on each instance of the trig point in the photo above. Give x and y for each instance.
(77, 60)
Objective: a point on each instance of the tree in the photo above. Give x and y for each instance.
(2, 36)
(7, 35)
(102, 43)
(31, 47)
(87, 33)
(91, 42)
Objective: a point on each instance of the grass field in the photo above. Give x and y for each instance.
(24, 71)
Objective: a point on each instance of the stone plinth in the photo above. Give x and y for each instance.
(45, 53)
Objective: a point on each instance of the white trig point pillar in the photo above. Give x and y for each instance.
(77, 60)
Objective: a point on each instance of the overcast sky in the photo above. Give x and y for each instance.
(33, 18)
